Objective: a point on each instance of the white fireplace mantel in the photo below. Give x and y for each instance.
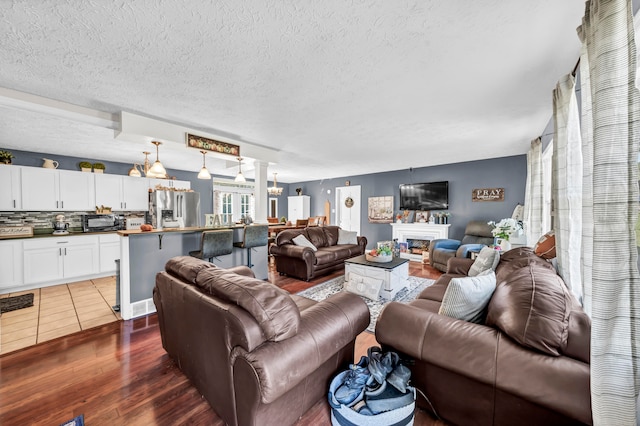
(421, 231)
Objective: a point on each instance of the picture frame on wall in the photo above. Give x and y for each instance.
(380, 209)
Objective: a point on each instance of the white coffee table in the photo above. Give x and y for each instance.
(366, 276)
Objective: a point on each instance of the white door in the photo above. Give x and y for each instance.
(81, 259)
(348, 208)
(40, 189)
(135, 193)
(42, 264)
(108, 191)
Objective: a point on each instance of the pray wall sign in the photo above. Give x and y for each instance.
(488, 194)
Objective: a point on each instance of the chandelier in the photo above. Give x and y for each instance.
(274, 190)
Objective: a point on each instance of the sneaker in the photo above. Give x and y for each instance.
(387, 399)
(352, 388)
(399, 378)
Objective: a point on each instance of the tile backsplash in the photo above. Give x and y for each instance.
(42, 222)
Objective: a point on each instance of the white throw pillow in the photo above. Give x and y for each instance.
(487, 259)
(347, 237)
(302, 241)
(466, 298)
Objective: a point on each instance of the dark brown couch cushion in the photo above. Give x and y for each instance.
(532, 305)
(271, 307)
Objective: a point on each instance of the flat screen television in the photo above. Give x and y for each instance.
(424, 196)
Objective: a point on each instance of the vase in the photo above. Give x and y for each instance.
(504, 244)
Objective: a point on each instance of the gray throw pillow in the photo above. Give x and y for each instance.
(466, 298)
(347, 237)
(487, 259)
(302, 241)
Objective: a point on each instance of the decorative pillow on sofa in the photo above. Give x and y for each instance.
(532, 306)
(467, 297)
(347, 237)
(272, 308)
(546, 246)
(488, 258)
(302, 241)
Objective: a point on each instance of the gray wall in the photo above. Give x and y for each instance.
(506, 172)
(509, 173)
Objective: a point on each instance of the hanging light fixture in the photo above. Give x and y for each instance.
(157, 170)
(147, 165)
(274, 190)
(240, 176)
(204, 173)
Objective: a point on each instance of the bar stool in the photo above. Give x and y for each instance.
(214, 244)
(254, 236)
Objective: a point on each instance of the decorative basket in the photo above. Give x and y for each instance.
(379, 258)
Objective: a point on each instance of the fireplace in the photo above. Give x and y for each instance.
(417, 237)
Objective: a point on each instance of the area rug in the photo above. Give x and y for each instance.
(322, 291)
(13, 303)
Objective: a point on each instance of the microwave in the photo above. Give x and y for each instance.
(102, 222)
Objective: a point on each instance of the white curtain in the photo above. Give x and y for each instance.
(567, 183)
(611, 131)
(534, 194)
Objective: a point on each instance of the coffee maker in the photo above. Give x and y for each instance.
(60, 227)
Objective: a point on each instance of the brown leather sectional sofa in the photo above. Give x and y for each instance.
(257, 354)
(305, 264)
(528, 364)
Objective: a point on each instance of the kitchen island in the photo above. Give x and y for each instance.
(144, 254)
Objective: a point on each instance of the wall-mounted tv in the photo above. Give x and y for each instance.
(424, 196)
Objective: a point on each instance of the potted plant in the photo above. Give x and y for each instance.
(283, 219)
(85, 166)
(5, 157)
(98, 168)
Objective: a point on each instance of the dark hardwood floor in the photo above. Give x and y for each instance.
(118, 374)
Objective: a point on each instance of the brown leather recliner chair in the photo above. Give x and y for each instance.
(477, 234)
(257, 354)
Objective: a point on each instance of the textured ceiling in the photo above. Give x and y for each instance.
(339, 88)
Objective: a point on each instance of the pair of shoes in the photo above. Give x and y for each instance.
(352, 388)
(381, 364)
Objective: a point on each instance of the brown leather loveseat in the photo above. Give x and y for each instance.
(305, 263)
(527, 363)
(257, 354)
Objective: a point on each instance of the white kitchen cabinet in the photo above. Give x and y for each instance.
(122, 192)
(10, 196)
(10, 265)
(109, 252)
(55, 258)
(169, 183)
(299, 207)
(56, 190)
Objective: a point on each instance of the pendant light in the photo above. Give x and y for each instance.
(204, 173)
(157, 170)
(240, 176)
(274, 190)
(147, 165)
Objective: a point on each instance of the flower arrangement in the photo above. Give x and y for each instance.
(505, 228)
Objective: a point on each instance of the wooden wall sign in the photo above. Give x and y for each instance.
(201, 142)
(488, 194)
(16, 231)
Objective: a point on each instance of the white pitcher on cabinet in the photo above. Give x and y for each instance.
(50, 164)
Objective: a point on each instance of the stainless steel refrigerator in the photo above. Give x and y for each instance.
(174, 209)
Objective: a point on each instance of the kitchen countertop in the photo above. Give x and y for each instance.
(51, 234)
(133, 232)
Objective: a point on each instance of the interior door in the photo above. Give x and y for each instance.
(348, 207)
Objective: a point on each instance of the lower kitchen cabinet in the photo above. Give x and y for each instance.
(109, 252)
(57, 258)
(10, 265)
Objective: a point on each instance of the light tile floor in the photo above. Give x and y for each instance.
(57, 311)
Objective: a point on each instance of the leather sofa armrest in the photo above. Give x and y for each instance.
(459, 266)
(462, 347)
(326, 327)
(463, 250)
(242, 270)
(292, 250)
(362, 242)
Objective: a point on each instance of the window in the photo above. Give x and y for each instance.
(232, 200)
